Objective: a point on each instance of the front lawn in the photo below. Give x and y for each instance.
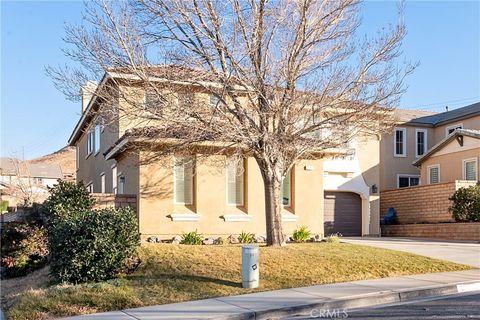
(175, 273)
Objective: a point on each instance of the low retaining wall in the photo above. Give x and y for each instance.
(421, 204)
(109, 200)
(447, 231)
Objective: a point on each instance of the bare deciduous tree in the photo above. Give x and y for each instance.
(290, 79)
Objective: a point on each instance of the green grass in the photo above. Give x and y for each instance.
(175, 273)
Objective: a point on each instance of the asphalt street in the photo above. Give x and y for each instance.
(459, 306)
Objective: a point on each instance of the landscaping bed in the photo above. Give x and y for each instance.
(174, 273)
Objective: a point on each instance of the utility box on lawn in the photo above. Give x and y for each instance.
(250, 267)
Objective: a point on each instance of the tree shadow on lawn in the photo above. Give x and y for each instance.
(187, 277)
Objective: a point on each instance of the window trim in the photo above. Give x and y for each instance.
(114, 169)
(175, 202)
(243, 187)
(289, 205)
(456, 125)
(77, 157)
(90, 146)
(464, 171)
(96, 143)
(404, 147)
(425, 131)
(407, 175)
(89, 187)
(103, 182)
(119, 175)
(428, 173)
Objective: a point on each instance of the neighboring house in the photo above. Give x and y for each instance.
(415, 133)
(177, 194)
(456, 157)
(26, 182)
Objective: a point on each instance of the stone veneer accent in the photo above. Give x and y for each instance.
(108, 200)
(450, 231)
(422, 204)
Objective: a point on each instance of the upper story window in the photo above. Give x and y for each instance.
(153, 103)
(77, 157)
(90, 187)
(420, 142)
(400, 142)
(287, 190)
(185, 99)
(235, 178)
(102, 182)
(90, 142)
(470, 169)
(433, 174)
(114, 179)
(214, 100)
(121, 184)
(183, 180)
(98, 132)
(449, 130)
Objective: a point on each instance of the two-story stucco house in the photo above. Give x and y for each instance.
(337, 193)
(418, 136)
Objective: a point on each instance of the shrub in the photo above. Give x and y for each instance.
(24, 248)
(302, 234)
(92, 245)
(334, 238)
(219, 241)
(192, 238)
(68, 199)
(246, 237)
(466, 204)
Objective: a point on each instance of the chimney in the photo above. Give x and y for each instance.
(87, 91)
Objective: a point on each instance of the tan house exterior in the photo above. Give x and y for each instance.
(106, 165)
(456, 157)
(415, 133)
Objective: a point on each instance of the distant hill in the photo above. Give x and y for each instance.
(64, 157)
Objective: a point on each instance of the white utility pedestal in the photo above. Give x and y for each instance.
(250, 267)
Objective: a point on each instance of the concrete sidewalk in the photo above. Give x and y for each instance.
(288, 302)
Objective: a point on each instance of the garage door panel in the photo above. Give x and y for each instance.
(342, 213)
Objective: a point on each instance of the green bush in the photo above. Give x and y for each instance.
(302, 234)
(466, 204)
(246, 237)
(192, 238)
(92, 245)
(24, 248)
(68, 199)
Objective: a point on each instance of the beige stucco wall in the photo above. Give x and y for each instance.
(450, 158)
(469, 123)
(391, 166)
(156, 200)
(91, 166)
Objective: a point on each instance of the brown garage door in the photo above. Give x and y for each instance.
(342, 213)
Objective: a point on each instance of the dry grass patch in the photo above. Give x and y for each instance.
(175, 273)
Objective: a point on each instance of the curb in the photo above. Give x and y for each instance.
(371, 299)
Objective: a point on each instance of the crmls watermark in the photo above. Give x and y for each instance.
(329, 314)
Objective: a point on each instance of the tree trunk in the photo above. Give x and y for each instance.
(273, 209)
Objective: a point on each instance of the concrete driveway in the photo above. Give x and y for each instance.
(460, 252)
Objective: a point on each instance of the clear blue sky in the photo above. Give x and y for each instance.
(36, 118)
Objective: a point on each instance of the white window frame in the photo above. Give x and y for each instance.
(455, 126)
(289, 204)
(97, 131)
(89, 187)
(464, 162)
(175, 202)
(425, 132)
(120, 186)
(243, 186)
(114, 179)
(401, 175)
(90, 142)
(102, 182)
(428, 173)
(404, 147)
